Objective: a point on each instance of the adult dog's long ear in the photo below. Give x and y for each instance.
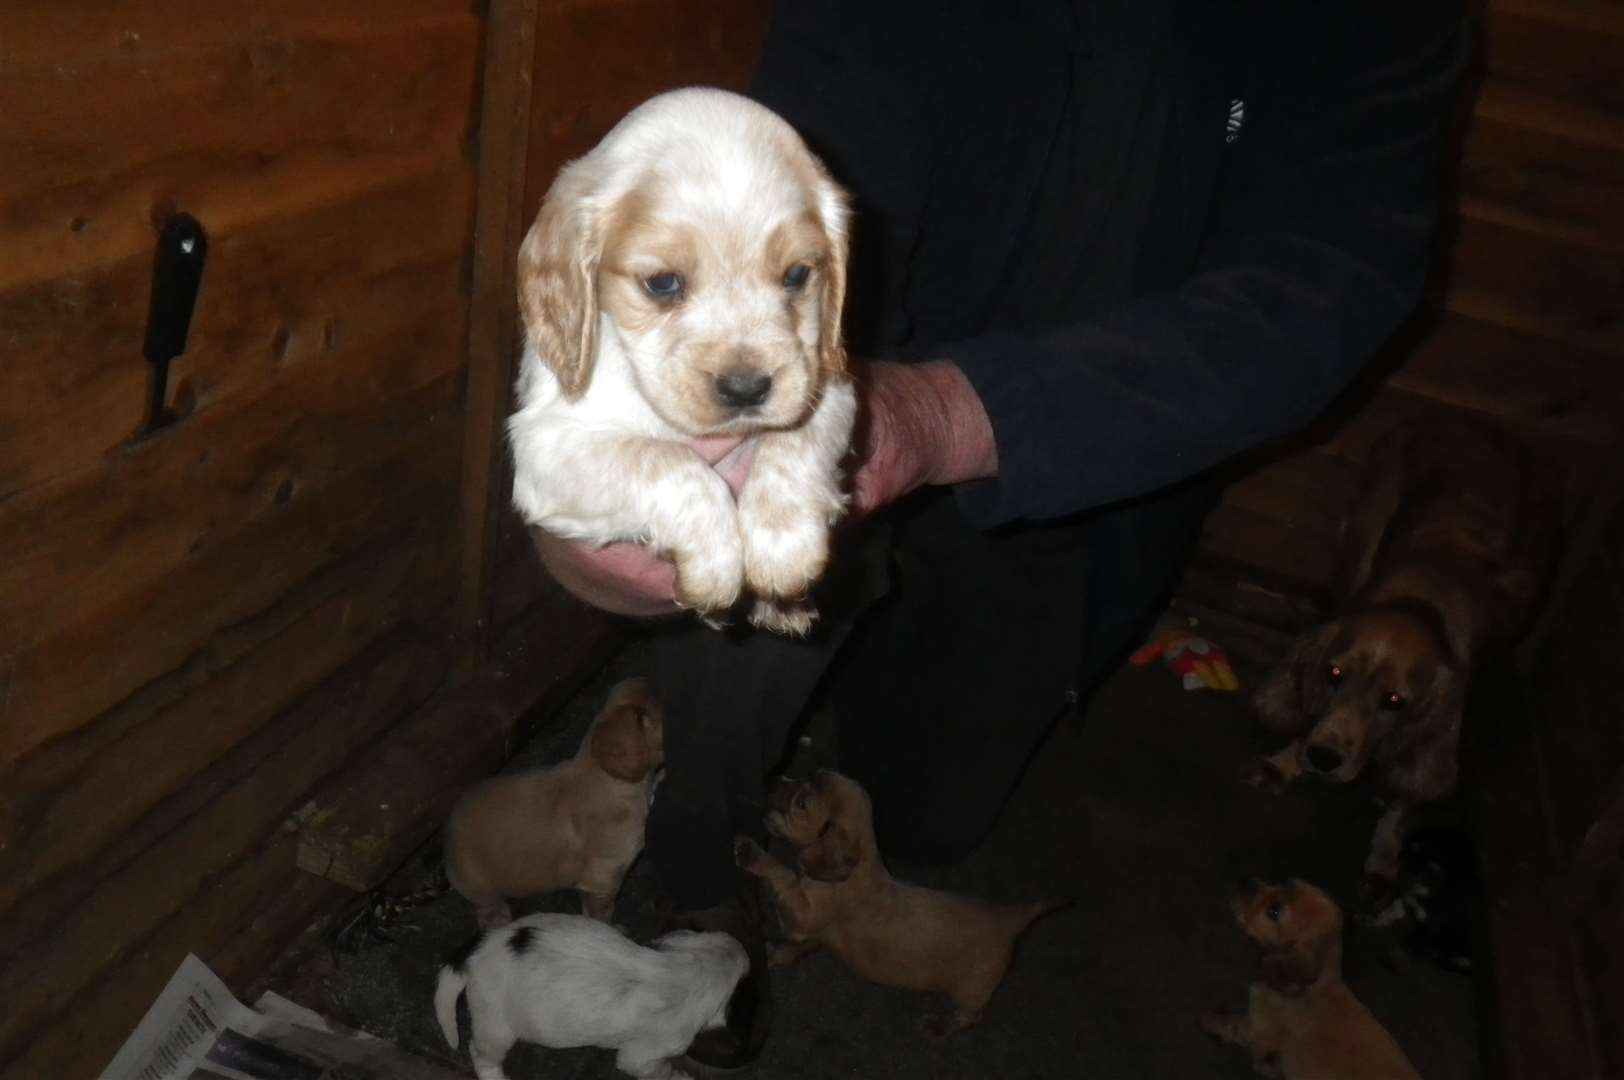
(1290, 699)
(1421, 756)
(834, 210)
(832, 857)
(558, 278)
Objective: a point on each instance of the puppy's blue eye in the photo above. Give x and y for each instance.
(666, 285)
(796, 276)
(1334, 676)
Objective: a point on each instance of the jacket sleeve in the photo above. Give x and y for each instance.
(1316, 251)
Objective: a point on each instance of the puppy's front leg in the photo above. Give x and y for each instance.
(781, 954)
(784, 883)
(787, 507)
(589, 485)
(1381, 866)
(1274, 772)
(1232, 1028)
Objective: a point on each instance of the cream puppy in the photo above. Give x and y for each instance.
(685, 278)
(574, 825)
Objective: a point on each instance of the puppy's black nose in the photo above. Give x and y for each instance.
(1323, 759)
(742, 389)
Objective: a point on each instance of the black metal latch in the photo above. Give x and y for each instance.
(177, 272)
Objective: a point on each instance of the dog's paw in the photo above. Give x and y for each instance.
(1225, 1027)
(783, 617)
(710, 577)
(1379, 903)
(747, 853)
(946, 1025)
(1264, 775)
(786, 543)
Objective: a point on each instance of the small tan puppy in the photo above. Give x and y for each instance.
(1302, 1022)
(886, 931)
(575, 825)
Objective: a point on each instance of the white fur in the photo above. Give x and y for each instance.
(582, 983)
(611, 465)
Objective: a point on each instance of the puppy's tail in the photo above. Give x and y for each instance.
(446, 992)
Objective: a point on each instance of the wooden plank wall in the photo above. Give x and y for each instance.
(1524, 323)
(209, 636)
(197, 627)
(1550, 810)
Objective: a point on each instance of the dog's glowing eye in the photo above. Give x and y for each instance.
(1393, 701)
(796, 276)
(1274, 912)
(1334, 676)
(665, 285)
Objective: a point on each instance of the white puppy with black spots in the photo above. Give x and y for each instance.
(566, 980)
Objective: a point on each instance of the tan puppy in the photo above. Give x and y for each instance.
(887, 932)
(575, 825)
(1302, 1022)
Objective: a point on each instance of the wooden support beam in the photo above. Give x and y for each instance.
(504, 140)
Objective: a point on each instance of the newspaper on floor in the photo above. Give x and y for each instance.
(197, 1030)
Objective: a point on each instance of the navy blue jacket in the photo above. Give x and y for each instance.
(1153, 233)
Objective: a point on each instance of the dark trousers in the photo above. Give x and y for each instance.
(943, 687)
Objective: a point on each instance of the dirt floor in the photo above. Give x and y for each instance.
(1135, 811)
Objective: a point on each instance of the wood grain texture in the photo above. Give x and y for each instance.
(81, 803)
(1544, 182)
(1556, 60)
(282, 293)
(48, 970)
(582, 96)
(190, 572)
(43, 33)
(292, 123)
(493, 337)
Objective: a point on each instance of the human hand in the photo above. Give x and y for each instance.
(919, 424)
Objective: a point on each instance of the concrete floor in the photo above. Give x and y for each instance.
(1134, 811)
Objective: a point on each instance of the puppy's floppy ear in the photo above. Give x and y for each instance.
(620, 744)
(835, 213)
(1292, 696)
(832, 857)
(1316, 917)
(558, 278)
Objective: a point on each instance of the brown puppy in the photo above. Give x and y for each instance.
(887, 932)
(575, 825)
(1445, 557)
(1302, 1022)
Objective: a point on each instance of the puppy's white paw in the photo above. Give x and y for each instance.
(786, 544)
(783, 617)
(709, 580)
